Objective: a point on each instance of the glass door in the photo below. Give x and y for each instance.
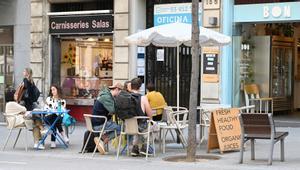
(282, 71)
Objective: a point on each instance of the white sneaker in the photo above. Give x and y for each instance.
(43, 132)
(66, 139)
(41, 147)
(53, 145)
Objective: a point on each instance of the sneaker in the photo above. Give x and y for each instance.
(43, 132)
(144, 150)
(41, 146)
(135, 151)
(99, 145)
(66, 139)
(52, 145)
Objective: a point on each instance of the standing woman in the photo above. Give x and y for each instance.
(28, 100)
(28, 84)
(52, 102)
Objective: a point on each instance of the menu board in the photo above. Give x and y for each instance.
(210, 63)
(225, 130)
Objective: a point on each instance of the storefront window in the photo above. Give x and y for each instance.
(86, 66)
(6, 66)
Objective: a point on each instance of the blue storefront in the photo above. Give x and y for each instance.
(264, 51)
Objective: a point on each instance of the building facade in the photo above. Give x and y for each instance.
(79, 45)
(266, 51)
(67, 51)
(81, 59)
(14, 46)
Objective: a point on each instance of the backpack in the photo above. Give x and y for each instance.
(36, 93)
(68, 120)
(128, 105)
(90, 143)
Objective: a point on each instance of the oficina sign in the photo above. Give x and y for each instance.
(175, 12)
(288, 11)
(81, 24)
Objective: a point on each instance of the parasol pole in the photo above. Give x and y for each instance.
(177, 76)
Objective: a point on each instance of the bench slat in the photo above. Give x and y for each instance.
(278, 135)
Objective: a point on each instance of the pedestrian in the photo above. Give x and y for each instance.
(53, 101)
(28, 101)
(28, 85)
(105, 106)
(157, 102)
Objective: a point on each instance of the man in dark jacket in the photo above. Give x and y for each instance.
(105, 106)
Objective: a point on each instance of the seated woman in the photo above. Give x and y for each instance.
(157, 102)
(52, 102)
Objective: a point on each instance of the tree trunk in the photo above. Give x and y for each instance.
(192, 144)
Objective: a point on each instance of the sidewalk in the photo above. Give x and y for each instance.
(71, 158)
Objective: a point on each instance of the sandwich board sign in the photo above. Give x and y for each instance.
(224, 130)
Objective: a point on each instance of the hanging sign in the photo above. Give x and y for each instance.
(224, 130)
(80, 24)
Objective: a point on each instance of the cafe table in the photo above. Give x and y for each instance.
(51, 127)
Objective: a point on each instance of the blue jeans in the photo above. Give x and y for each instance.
(110, 129)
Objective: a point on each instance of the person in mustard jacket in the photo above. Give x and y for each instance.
(157, 102)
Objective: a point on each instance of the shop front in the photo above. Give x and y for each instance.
(82, 57)
(266, 46)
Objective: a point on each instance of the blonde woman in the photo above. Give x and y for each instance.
(28, 100)
(28, 96)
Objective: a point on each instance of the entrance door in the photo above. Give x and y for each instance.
(6, 76)
(163, 74)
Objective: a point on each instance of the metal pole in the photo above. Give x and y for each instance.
(178, 76)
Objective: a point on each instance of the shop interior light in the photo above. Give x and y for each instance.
(91, 39)
(106, 40)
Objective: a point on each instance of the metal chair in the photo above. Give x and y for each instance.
(252, 97)
(130, 127)
(260, 126)
(89, 126)
(204, 123)
(15, 120)
(177, 120)
(165, 120)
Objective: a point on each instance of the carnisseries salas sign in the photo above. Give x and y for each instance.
(80, 24)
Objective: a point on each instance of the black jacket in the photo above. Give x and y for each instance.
(28, 95)
(99, 110)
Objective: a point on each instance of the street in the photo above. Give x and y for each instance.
(70, 158)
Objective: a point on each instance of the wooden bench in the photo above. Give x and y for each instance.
(260, 126)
